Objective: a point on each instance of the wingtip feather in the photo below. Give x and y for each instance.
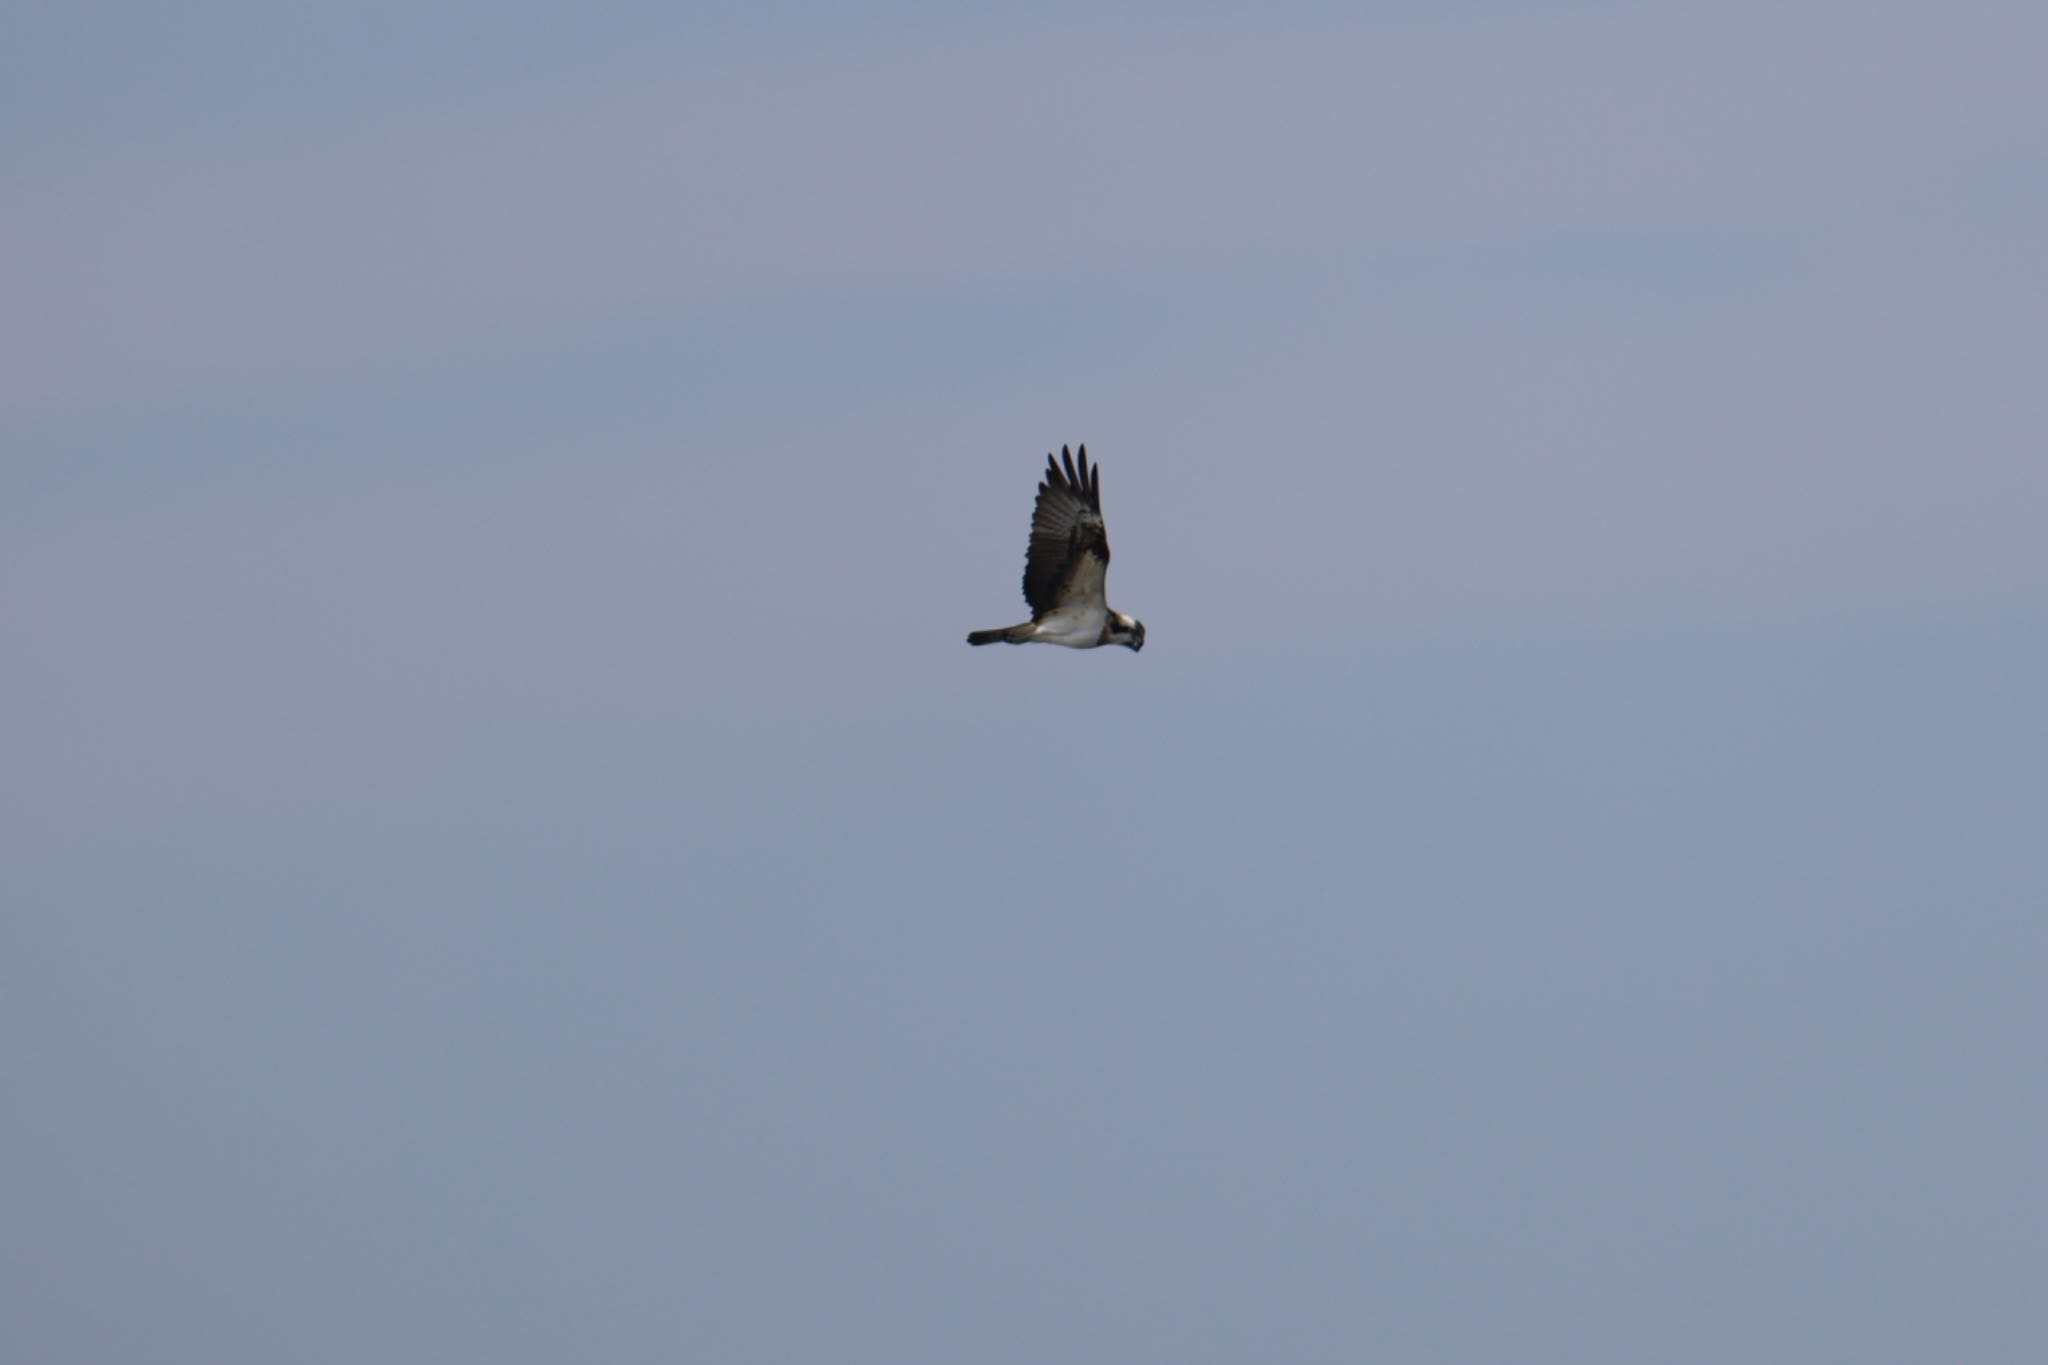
(1071, 471)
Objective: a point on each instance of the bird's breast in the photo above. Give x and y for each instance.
(1074, 627)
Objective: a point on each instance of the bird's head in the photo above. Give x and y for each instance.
(1127, 630)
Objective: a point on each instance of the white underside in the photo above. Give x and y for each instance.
(1074, 627)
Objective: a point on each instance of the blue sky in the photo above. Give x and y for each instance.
(507, 857)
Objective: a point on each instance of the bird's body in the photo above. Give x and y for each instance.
(1066, 569)
(1074, 627)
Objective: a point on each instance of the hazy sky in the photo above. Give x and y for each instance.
(506, 857)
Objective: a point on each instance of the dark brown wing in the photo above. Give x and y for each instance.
(1069, 553)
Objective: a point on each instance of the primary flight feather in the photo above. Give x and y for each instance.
(1067, 566)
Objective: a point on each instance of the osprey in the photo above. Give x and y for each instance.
(1065, 568)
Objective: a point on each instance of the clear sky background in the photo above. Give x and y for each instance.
(506, 857)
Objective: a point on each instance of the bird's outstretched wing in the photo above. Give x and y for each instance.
(1068, 561)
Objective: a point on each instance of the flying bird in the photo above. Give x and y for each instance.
(1066, 566)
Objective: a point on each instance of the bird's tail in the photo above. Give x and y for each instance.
(1008, 635)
